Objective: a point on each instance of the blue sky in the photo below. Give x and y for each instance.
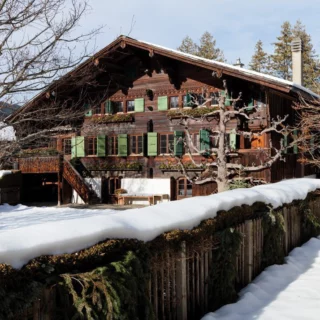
(236, 25)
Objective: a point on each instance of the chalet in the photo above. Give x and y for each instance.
(129, 94)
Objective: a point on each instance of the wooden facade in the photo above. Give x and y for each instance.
(128, 131)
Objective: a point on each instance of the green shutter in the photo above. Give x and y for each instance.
(163, 103)
(79, 146)
(88, 110)
(250, 104)
(122, 145)
(233, 140)
(285, 144)
(178, 145)
(227, 103)
(139, 105)
(295, 146)
(108, 106)
(101, 146)
(73, 147)
(152, 143)
(188, 99)
(204, 140)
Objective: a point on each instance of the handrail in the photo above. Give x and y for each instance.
(76, 181)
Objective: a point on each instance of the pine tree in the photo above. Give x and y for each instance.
(259, 61)
(281, 64)
(188, 46)
(311, 71)
(207, 48)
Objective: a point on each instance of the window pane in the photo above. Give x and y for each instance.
(189, 188)
(67, 146)
(174, 102)
(181, 190)
(117, 106)
(130, 105)
(196, 142)
(171, 142)
(214, 98)
(140, 146)
(163, 143)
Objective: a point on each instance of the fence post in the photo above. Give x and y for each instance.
(248, 246)
(181, 284)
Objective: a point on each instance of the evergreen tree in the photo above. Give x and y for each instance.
(188, 46)
(259, 61)
(311, 71)
(281, 60)
(207, 48)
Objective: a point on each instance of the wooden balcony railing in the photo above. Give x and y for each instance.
(39, 164)
(76, 181)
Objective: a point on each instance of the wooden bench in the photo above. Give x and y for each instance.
(125, 199)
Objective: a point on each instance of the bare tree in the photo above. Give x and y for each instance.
(39, 43)
(221, 165)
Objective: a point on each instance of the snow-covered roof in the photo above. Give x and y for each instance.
(27, 233)
(227, 66)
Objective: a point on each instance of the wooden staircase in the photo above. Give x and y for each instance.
(78, 184)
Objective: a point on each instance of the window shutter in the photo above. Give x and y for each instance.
(233, 140)
(188, 99)
(73, 147)
(227, 103)
(79, 147)
(108, 107)
(250, 104)
(178, 145)
(139, 105)
(152, 143)
(88, 110)
(285, 143)
(163, 103)
(295, 146)
(101, 146)
(122, 145)
(204, 140)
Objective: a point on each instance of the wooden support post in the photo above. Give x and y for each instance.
(181, 276)
(248, 251)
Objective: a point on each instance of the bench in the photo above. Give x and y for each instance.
(138, 191)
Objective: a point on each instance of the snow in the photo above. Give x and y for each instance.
(7, 133)
(282, 292)
(238, 69)
(4, 173)
(142, 186)
(28, 232)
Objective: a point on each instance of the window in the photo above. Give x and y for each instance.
(114, 184)
(66, 146)
(184, 188)
(214, 140)
(130, 105)
(113, 145)
(117, 106)
(91, 146)
(186, 100)
(214, 98)
(166, 143)
(195, 138)
(198, 99)
(136, 145)
(96, 109)
(174, 102)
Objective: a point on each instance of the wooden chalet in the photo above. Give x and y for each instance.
(132, 92)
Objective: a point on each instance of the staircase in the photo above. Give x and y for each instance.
(78, 183)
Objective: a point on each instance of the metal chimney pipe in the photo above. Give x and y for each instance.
(296, 48)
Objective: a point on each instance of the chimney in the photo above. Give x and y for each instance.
(239, 63)
(296, 48)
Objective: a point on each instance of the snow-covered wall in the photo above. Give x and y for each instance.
(65, 230)
(146, 186)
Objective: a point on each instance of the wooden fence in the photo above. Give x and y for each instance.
(179, 282)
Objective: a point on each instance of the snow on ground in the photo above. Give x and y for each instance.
(27, 232)
(282, 292)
